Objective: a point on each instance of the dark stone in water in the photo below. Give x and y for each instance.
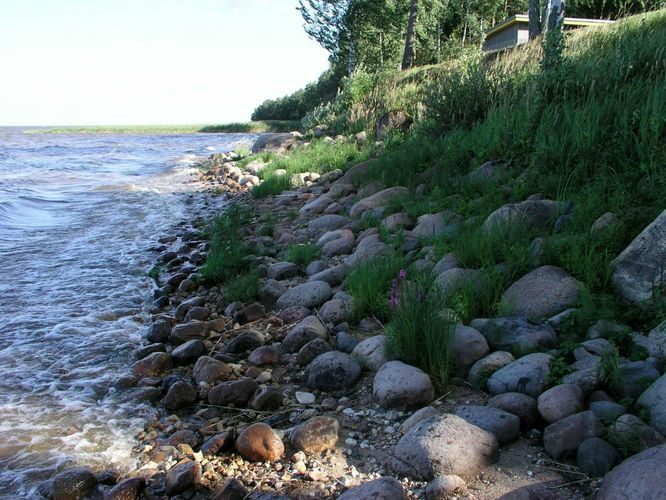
(162, 302)
(159, 332)
(149, 349)
(128, 489)
(73, 484)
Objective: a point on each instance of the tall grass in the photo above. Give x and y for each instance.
(421, 329)
(369, 284)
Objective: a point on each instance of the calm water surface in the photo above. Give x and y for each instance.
(77, 213)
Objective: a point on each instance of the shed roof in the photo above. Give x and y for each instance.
(524, 18)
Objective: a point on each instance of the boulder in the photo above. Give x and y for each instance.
(533, 215)
(236, 392)
(188, 331)
(521, 405)
(217, 444)
(482, 370)
(392, 120)
(657, 343)
(248, 340)
(371, 352)
(329, 222)
(336, 310)
(316, 206)
(449, 261)
(639, 270)
(468, 347)
(560, 401)
(264, 355)
(282, 271)
(271, 291)
(332, 371)
(73, 484)
(490, 171)
(596, 457)
(368, 248)
(445, 444)
(188, 352)
(562, 438)
(127, 489)
(398, 221)
(380, 199)
(453, 281)
(311, 350)
(307, 329)
(316, 435)
(641, 476)
(437, 225)
(603, 224)
(518, 335)
(399, 385)
(607, 411)
(153, 364)
(266, 399)
(182, 477)
(209, 370)
(334, 276)
(259, 443)
(654, 400)
(444, 487)
(311, 294)
(383, 488)
(417, 416)
(635, 433)
(345, 342)
(541, 293)
(505, 426)
(528, 375)
(636, 377)
(273, 142)
(340, 242)
(180, 395)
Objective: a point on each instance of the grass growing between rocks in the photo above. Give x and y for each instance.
(227, 259)
(369, 284)
(421, 329)
(319, 157)
(302, 255)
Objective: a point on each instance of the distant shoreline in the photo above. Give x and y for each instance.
(256, 127)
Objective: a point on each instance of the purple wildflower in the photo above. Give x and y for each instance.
(402, 274)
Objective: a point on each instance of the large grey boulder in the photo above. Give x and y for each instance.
(380, 199)
(560, 401)
(383, 488)
(371, 352)
(541, 293)
(336, 310)
(654, 399)
(445, 444)
(521, 405)
(485, 367)
(310, 294)
(398, 385)
(370, 247)
(639, 269)
(518, 335)
(456, 280)
(307, 329)
(332, 371)
(596, 457)
(469, 346)
(636, 377)
(636, 433)
(505, 426)
(657, 343)
(273, 142)
(562, 438)
(325, 223)
(528, 375)
(334, 276)
(435, 225)
(641, 476)
(536, 215)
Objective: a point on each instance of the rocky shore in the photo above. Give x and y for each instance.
(287, 397)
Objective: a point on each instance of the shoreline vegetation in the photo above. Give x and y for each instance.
(253, 127)
(469, 302)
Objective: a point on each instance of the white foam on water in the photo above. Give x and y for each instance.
(74, 291)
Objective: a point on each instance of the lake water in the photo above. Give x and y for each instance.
(77, 215)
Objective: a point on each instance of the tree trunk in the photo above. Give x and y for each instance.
(408, 56)
(534, 19)
(555, 20)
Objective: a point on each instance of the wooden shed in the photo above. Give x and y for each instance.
(514, 31)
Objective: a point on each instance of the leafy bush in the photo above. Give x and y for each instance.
(243, 288)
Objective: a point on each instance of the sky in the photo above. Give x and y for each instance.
(127, 62)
